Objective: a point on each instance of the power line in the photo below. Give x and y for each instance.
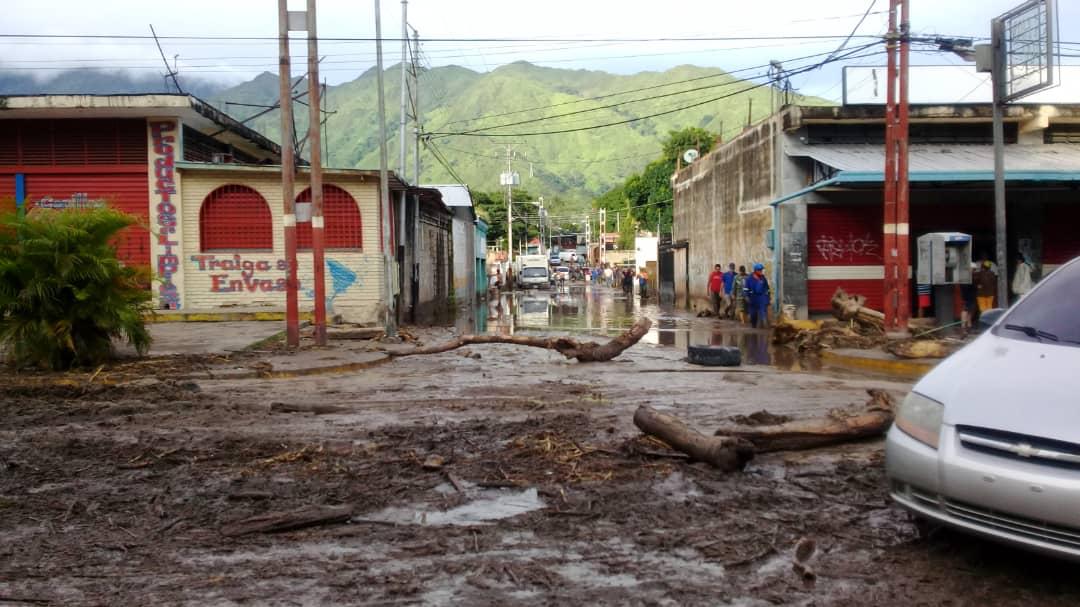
(855, 29)
(628, 91)
(475, 133)
(392, 39)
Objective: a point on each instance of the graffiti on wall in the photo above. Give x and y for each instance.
(78, 200)
(237, 275)
(341, 278)
(162, 135)
(848, 248)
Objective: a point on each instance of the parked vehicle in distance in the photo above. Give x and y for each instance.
(561, 275)
(988, 441)
(533, 277)
(553, 256)
(532, 272)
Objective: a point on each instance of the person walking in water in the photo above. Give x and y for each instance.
(728, 304)
(716, 289)
(643, 282)
(757, 297)
(739, 293)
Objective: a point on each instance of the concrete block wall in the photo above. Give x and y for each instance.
(222, 279)
(722, 209)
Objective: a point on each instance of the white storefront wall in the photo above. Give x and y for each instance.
(256, 278)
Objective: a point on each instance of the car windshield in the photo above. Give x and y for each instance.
(533, 272)
(1048, 314)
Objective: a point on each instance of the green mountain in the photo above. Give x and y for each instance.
(570, 168)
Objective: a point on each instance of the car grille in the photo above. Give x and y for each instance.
(1035, 449)
(1008, 523)
(986, 518)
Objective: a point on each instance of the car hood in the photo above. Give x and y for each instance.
(1009, 384)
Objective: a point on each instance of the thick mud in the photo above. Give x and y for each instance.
(470, 482)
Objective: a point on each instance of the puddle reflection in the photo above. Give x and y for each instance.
(600, 310)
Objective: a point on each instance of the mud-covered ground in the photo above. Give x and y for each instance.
(512, 477)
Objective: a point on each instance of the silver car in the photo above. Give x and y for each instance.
(989, 441)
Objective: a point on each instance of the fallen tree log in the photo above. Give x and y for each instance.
(839, 427)
(313, 408)
(274, 522)
(570, 348)
(853, 307)
(724, 452)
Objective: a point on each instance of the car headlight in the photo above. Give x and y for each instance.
(920, 418)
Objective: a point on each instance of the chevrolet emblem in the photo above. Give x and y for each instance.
(1024, 450)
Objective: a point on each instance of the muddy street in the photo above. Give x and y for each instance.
(487, 475)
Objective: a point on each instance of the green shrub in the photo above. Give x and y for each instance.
(64, 295)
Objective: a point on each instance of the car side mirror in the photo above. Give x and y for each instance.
(989, 317)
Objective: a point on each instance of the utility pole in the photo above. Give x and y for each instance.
(416, 105)
(318, 233)
(897, 283)
(903, 192)
(404, 88)
(288, 168)
(403, 146)
(384, 184)
(603, 235)
(509, 179)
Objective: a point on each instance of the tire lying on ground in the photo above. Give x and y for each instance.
(714, 356)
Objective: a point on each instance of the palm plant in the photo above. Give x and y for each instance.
(64, 295)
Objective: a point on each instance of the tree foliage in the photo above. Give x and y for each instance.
(64, 295)
(491, 207)
(647, 195)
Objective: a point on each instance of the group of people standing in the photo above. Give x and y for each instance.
(736, 295)
(624, 278)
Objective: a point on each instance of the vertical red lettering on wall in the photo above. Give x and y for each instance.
(163, 136)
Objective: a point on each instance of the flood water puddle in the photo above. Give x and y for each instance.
(490, 505)
(598, 311)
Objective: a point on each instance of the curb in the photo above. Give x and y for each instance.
(238, 374)
(289, 373)
(908, 369)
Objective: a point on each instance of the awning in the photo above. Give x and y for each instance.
(863, 163)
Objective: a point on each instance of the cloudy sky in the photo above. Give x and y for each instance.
(574, 34)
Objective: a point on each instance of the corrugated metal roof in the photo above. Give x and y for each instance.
(454, 194)
(946, 158)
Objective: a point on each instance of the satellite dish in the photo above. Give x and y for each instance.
(690, 155)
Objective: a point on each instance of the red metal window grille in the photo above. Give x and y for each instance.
(341, 218)
(235, 217)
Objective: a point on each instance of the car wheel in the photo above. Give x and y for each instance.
(714, 356)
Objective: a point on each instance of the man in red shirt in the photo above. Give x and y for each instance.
(716, 289)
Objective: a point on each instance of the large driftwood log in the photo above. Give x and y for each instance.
(726, 453)
(273, 522)
(873, 420)
(853, 307)
(570, 348)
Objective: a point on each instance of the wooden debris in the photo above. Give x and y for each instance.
(853, 307)
(570, 348)
(433, 462)
(316, 409)
(920, 348)
(274, 522)
(873, 420)
(724, 452)
(356, 333)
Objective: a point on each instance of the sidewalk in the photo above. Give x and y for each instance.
(229, 337)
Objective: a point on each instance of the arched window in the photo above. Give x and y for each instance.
(235, 217)
(341, 220)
